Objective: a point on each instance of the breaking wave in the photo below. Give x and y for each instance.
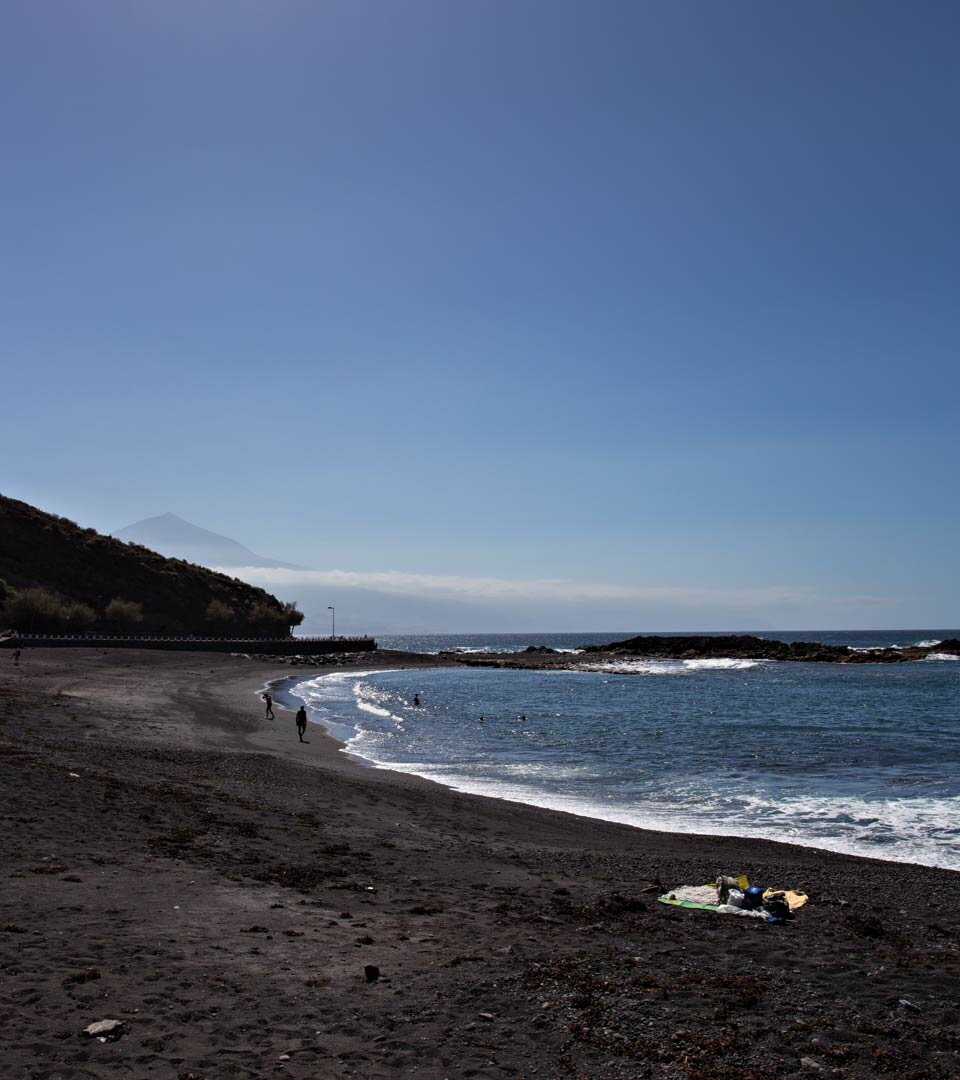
(668, 667)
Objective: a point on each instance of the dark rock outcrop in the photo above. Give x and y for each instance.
(704, 647)
(748, 647)
(949, 647)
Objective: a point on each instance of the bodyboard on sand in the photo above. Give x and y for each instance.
(687, 904)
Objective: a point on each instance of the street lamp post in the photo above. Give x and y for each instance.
(333, 620)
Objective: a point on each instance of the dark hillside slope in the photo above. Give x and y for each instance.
(40, 549)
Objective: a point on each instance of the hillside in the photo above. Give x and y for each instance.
(41, 550)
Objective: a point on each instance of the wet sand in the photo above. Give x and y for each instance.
(220, 888)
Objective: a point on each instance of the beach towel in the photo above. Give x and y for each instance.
(705, 898)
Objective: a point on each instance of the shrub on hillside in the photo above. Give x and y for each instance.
(38, 611)
(269, 621)
(219, 615)
(77, 617)
(34, 610)
(292, 614)
(123, 614)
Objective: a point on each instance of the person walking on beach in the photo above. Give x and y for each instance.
(301, 722)
(16, 657)
(269, 703)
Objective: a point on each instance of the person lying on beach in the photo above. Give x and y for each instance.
(269, 703)
(301, 722)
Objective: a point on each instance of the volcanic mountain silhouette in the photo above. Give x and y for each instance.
(179, 539)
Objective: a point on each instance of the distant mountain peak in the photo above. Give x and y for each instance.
(175, 537)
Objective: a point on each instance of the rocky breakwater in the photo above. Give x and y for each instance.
(748, 647)
(534, 656)
(702, 647)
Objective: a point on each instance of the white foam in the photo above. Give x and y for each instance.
(370, 699)
(634, 667)
(721, 664)
(941, 656)
(668, 667)
(501, 649)
(902, 831)
(324, 693)
(375, 710)
(927, 643)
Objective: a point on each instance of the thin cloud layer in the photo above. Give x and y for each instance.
(498, 590)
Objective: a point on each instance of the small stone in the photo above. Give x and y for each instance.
(811, 1063)
(485, 1016)
(104, 1029)
(371, 972)
(283, 1057)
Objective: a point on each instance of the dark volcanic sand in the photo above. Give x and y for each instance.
(219, 888)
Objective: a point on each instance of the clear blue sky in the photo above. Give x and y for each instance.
(661, 294)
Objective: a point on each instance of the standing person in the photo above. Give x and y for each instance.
(16, 656)
(416, 700)
(269, 703)
(301, 722)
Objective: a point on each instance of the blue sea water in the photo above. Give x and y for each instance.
(857, 758)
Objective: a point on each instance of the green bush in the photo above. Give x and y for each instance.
(123, 614)
(268, 621)
(219, 615)
(293, 615)
(77, 617)
(40, 611)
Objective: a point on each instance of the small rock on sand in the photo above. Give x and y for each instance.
(104, 1029)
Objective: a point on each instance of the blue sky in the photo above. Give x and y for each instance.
(652, 295)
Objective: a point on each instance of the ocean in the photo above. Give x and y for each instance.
(863, 759)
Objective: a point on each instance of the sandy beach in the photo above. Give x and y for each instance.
(250, 906)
